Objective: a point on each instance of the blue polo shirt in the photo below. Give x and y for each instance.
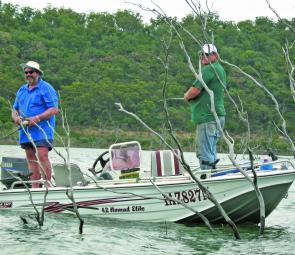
(33, 102)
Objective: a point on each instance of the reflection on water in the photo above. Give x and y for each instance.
(103, 236)
(100, 236)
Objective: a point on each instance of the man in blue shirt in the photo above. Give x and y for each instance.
(37, 103)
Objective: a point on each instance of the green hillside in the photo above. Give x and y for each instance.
(98, 59)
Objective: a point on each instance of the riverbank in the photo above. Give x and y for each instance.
(91, 137)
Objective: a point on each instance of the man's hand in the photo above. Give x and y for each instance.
(33, 121)
(191, 94)
(17, 120)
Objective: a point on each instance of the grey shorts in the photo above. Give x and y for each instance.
(41, 143)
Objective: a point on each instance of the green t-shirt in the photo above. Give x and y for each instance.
(200, 107)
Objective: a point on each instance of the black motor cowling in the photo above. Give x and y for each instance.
(12, 168)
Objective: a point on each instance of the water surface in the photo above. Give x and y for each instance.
(59, 235)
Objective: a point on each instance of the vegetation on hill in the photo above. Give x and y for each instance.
(95, 60)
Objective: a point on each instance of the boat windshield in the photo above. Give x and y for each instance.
(125, 156)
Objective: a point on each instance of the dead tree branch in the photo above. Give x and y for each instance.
(277, 107)
(70, 191)
(229, 144)
(166, 197)
(291, 69)
(278, 16)
(208, 194)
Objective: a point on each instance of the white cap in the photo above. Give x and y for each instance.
(209, 48)
(33, 65)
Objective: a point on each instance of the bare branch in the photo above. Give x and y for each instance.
(208, 194)
(166, 197)
(277, 107)
(291, 69)
(278, 16)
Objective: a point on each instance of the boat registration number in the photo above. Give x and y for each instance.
(185, 196)
(5, 204)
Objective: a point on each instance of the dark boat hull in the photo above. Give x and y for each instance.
(245, 208)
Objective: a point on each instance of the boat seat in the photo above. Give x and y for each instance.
(165, 163)
(61, 175)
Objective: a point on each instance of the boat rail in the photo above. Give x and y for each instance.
(283, 164)
(41, 181)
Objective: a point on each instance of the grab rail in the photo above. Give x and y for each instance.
(246, 166)
(27, 182)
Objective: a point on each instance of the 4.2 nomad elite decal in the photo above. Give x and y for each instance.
(112, 209)
(186, 196)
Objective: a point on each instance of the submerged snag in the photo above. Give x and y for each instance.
(70, 192)
(262, 205)
(81, 221)
(24, 220)
(187, 168)
(205, 220)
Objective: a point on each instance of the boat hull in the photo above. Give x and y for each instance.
(142, 201)
(245, 208)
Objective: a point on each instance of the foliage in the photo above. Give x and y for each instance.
(98, 59)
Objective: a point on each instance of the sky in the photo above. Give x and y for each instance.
(228, 10)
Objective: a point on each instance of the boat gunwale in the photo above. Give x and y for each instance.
(159, 181)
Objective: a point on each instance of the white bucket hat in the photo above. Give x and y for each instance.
(209, 48)
(33, 65)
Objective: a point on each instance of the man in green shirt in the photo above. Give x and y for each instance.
(208, 133)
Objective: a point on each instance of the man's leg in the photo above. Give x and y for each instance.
(43, 157)
(217, 136)
(33, 166)
(207, 138)
(37, 170)
(205, 143)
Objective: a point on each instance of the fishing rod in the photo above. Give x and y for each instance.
(10, 133)
(24, 123)
(172, 98)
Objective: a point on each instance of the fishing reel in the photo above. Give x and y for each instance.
(25, 122)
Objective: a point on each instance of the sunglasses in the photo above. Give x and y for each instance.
(29, 72)
(204, 54)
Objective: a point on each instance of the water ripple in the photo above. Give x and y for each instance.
(59, 235)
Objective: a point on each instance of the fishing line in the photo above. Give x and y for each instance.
(10, 133)
(24, 123)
